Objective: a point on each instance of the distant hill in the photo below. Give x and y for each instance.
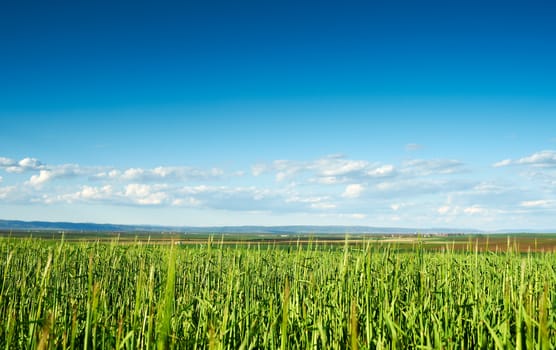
(306, 229)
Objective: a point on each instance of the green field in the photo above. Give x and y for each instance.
(365, 293)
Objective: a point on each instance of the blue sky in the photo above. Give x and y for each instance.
(390, 113)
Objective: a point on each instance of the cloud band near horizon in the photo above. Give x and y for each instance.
(333, 188)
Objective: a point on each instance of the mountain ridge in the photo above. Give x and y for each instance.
(19, 225)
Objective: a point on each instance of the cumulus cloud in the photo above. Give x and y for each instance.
(455, 210)
(445, 209)
(398, 206)
(133, 174)
(251, 198)
(538, 170)
(312, 202)
(331, 166)
(30, 163)
(337, 167)
(296, 198)
(159, 174)
(18, 167)
(62, 171)
(382, 171)
(41, 178)
(6, 191)
(131, 194)
(353, 191)
(234, 198)
(112, 174)
(332, 169)
(96, 193)
(165, 173)
(145, 194)
(334, 186)
(6, 162)
(84, 194)
(188, 202)
(475, 210)
(542, 159)
(258, 169)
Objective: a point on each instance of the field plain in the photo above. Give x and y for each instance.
(93, 291)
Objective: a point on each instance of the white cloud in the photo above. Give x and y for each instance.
(537, 203)
(454, 211)
(30, 163)
(281, 176)
(96, 193)
(385, 170)
(539, 173)
(25, 164)
(502, 163)
(350, 216)
(314, 202)
(47, 173)
(174, 174)
(145, 194)
(138, 190)
(41, 178)
(423, 167)
(445, 209)
(475, 210)
(252, 198)
(353, 191)
(358, 216)
(258, 169)
(325, 186)
(542, 159)
(326, 180)
(490, 188)
(296, 198)
(286, 168)
(398, 206)
(413, 187)
(6, 162)
(133, 174)
(333, 169)
(187, 202)
(62, 171)
(107, 175)
(324, 206)
(6, 191)
(84, 194)
(336, 167)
